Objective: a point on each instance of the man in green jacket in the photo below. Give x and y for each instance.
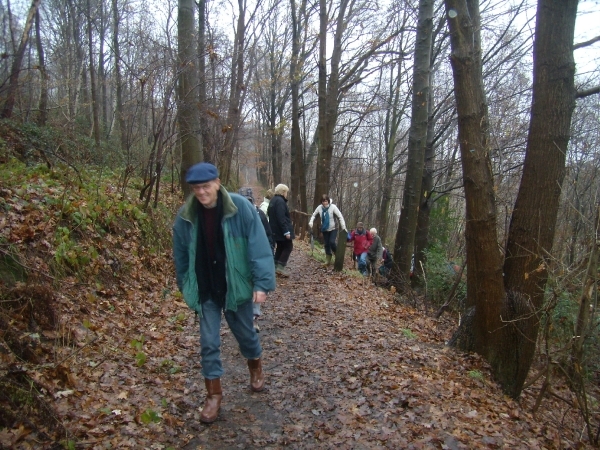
(223, 264)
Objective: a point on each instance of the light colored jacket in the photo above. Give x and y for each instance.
(249, 262)
(333, 213)
(264, 206)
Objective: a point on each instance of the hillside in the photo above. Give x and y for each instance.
(98, 350)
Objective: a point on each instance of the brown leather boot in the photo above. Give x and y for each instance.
(212, 404)
(257, 378)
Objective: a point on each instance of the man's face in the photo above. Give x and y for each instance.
(207, 193)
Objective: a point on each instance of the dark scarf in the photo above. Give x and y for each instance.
(325, 218)
(212, 281)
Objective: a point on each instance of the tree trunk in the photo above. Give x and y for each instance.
(119, 82)
(203, 100)
(15, 69)
(275, 141)
(426, 200)
(191, 147)
(78, 82)
(237, 86)
(532, 225)
(328, 97)
(94, 93)
(394, 115)
(323, 163)
(586, 301)
(485, 288)
(298, 182)
(340, 252)
(101, 82)
(417, 140)
(427, 184)
(42, 115)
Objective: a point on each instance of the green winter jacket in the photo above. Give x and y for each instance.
(249, 264)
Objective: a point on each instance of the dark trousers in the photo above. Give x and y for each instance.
(283, 251)
(329, 239)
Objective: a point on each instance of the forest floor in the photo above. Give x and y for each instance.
(349, 365)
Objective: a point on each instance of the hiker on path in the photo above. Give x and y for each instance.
(374, 254)
(388, 262)
(281, 226)
(223, 264)
(265, 204)
(362, 241)
(263, 218)
(328, 212)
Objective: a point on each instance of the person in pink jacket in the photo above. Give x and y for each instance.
(362, 241)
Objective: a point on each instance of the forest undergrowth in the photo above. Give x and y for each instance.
(98, 350)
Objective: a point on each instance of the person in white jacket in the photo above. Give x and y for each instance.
(329, 213)
(264, 206)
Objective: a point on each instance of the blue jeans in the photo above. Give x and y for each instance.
(362, 263)
(329, 239)
(240, 324)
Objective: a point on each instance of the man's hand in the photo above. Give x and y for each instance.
(259, 297)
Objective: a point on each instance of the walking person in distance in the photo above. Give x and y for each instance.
(362, 241)
(328, 213)
(256, 309)
(374, 254)
(282, 228)
(264, 206)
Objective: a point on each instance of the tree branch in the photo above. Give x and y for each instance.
(586, 43)
(587, 92)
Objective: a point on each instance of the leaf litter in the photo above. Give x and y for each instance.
(348, 366)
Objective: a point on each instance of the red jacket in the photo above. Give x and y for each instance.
(362, 242)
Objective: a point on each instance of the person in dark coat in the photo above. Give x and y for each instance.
(265, 222)
(388, 262)
(281, 226)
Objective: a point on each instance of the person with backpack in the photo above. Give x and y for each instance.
(374, 254)
(329, 213)
(223, 264)
(388, 262)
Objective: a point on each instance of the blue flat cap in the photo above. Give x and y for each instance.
(201, 173)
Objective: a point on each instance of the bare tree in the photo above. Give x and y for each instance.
(13, 85)
(191, 148)
(343, 75)
(484, 284)
(533, 222)
(507, 298)
(236, 88)
(119, 110)
(417, 140)
(93, 86)
(298, 185)
(42, 115)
